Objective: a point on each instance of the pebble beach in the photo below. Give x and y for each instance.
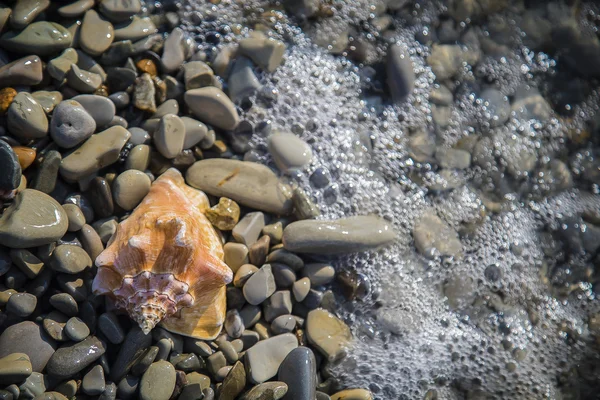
(404, 196)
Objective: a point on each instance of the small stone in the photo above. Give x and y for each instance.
(234, 383)
(139, 158)
(96, 34)
(400, 73)
(319, 273)
(72, 285)
(285, 257)
(233, 324)
(83, 81)
(64, 303)
(243, 274)
(26, 118)
(90, 241)
(230, 353)
(21, 304)
(93, 382)
(299, 371)
(345, 235)
(28, 337)
(195, 131)
(284, 275)
(289, 152)
(236, 255)
(497, 107)
(453, 158)
(301, 288)
(169, 137)
(283, 324)
(120, 10)
(24, 71)
(100, 195)
(211, 105)
(120, 100)
(29, 264)
(216, 361)
(264, 358)
(434, 237)
(76, 329)
(97, 152)
(130, 188)
(274, 232)
(7, 95)
(71, 124)
(258, 250)
(59, 67)
(280, 303)
(352, 394)
(75, 9)
(14, 368)
(173, 52)
(137, 29)
(187, 362)
(144, 93)
(10, 167)
(46, 176)
(70, 259)
(250, 315)
(72, 358)
(328, 334)
(75, 217)
(304, 207)
(446, 60)
(100, 108)
(224, 215)
(158, 382)
(267, 391)
(242, 81)
(248, 229)
(128, 387)
(266, 52)
(222, 373)
(68, 388)
(197, 74)
(260, 286)
(200, 379)
(143, 363)
(54, 324)
(134, 346)
(48, 100)
(25, 155)
(42, 38)
(247, 183)
(25, 12)
(106, 228)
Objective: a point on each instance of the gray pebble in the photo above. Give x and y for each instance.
(168, 107)
(260, 285)
(24, 71)
(139, 158)
(250, 315)
(283, 324)
(248, 229)
(242, 81)
(90, 241)
(285, 257)
(70, 259)
(75, 9)
(93, 382)
(170, 135)
(289, 151)
(72, 358)
(497, 107)
(135, 344)
(301, 288)
(173, 52)
(266, 52)
(21, 304)
(72, 285)
(400, 73)
(46, 176)
(120, 10)
(319, 273)
(64, 303)
(279, 303)
(71, 124)
(197, 74)
(299, 371)
(128, 387)
(96, 34)
(197, 346)
(83, 81)
(48, 99)
(209, 104)
(130, 188)
(136, 29)
(144, 362)
(267, 391)
(284, 275)
(110, 392)
(33, 386)
(25, 12)
(164, 348)
(233, 324)
(76, 329)
(230, 353)
(120, 99)
(215, 362)
(75, 216)
(26, 118)
(264, 358)
(101, 109)
(41, 38)
(29, 338)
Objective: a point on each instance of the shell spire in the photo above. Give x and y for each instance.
(164, 264)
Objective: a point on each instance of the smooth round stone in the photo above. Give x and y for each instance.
(158, 382)
(21, 304)
(247, 183)
(64, 303)
(266, 52)
(497, 106)
(76, 329)
(233, 324)
(139, 136)
(111, 328)
(26, 118)
(25, 12)
(319, 273)
(120, 99)
(170, 135)
(83, 81)
(137, 29)
(54, 324)
(71, 124)
(195, 131)
(100, 194)
(284, 275)
(264, 358)
(130, 188)
(72, 358)
(209, 104)
(289, 151)
(267, 391)
(24, 71)
(400, 73)
(106, 228)
(301, 288)
(10, 167)
(327, 333)
(96, 34)
(243, 274)
(173, 51)
(299, 372)
(29, 338)
(33, 219)
(138, 158)
(285, 257)
(93, 382)
(101, 109)
(47, 99)
(120, 10)
(434, 237)
(344, 235)
(14, 368)
(250, 315)
(260, 285)
(70, 259)
(41, 38)
(75, 216)
(283, 324)
(76, 8)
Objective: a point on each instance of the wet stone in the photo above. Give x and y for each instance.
(128, 387)
(26, 118)
(279, 303)
(100, 108)
(285, 257)
(27, 337)
(242, 81)
(46, 176)
(267, 391)
(264, 358)
(234, 382)
(274, 232)
(243, 274)
(173, 52)
(29, 264)
(137, 29)
(73, 358)
(188, 363)
(72, 285)
(453, 158)
(197, 74)
(21, 304)
(14, 368)
(319, 273)
(68, 388)
(497, 107)
(93, 382)
(224, 215)
(70, 259)
(352, 394)
(298, 370)
(260, 286)
(75, 217)
(25, 12)
(211, 105)
(71, 124)
(284, 275)
(400, 73)
(9, 164)
(135, 344)
(90, 241)
(33, 386)
(327, 333)
(120, 10)
(233, 324)
(289, 152)
(96, 33)
(215, 362)
(83, 81)
(283, 324)
(304, 207)
(266, 52)
(195, 131)
(248, 229)
(236, 255)
(76, 329)
(24, 71)
(111, 328)
(301, 289)
(42, 38)
(170, 135)
(75, 9)
(58, 67)
(120, 99)
(64, 303)
(144, 362)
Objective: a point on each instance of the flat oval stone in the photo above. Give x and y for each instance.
(64, 303)
(10, 167)
(344, 235)
(96, 34)
(76, 8)
(14, 368)
(130, 188)
(137, 29)
(21, 304)
(195, 131)
(25, 12)
(264, 358)
(97, 152)
(264, 51)
(83, 81)
(47, 99)
(76, 329)
(242, 81)
(400, 73)
(158, 382)
(260, 285)
(120, 10)
(138, 158)
(289, 151)
(70, 259)
(74, 357)
(247, 183)
(24, 71)
(59, 66)
(299, 371)
(71, 124)
(170, 135)
(33, 219)
(173, 52)
(352, 394)
(41, 38)
(26, 118)
(327, 333)
(29, 338)
(102, 109)
(209, 104)
(93, 382)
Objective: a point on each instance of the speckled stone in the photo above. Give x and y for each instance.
(71, 124)
(72, 358)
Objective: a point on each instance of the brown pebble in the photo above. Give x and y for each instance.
(225, 215)
(7, 95)
(148, 66)
(102, 91)
(25, 155)
(220, 146)
(259, 250)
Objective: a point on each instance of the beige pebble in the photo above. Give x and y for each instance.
(130, 188)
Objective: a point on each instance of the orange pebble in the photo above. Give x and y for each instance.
(25, 155)
(147, 65)
(7, 95)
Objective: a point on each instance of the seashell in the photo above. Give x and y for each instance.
(164, 264)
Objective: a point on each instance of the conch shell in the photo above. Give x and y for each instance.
(164, 264)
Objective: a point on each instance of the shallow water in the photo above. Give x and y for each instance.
(510, 318)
